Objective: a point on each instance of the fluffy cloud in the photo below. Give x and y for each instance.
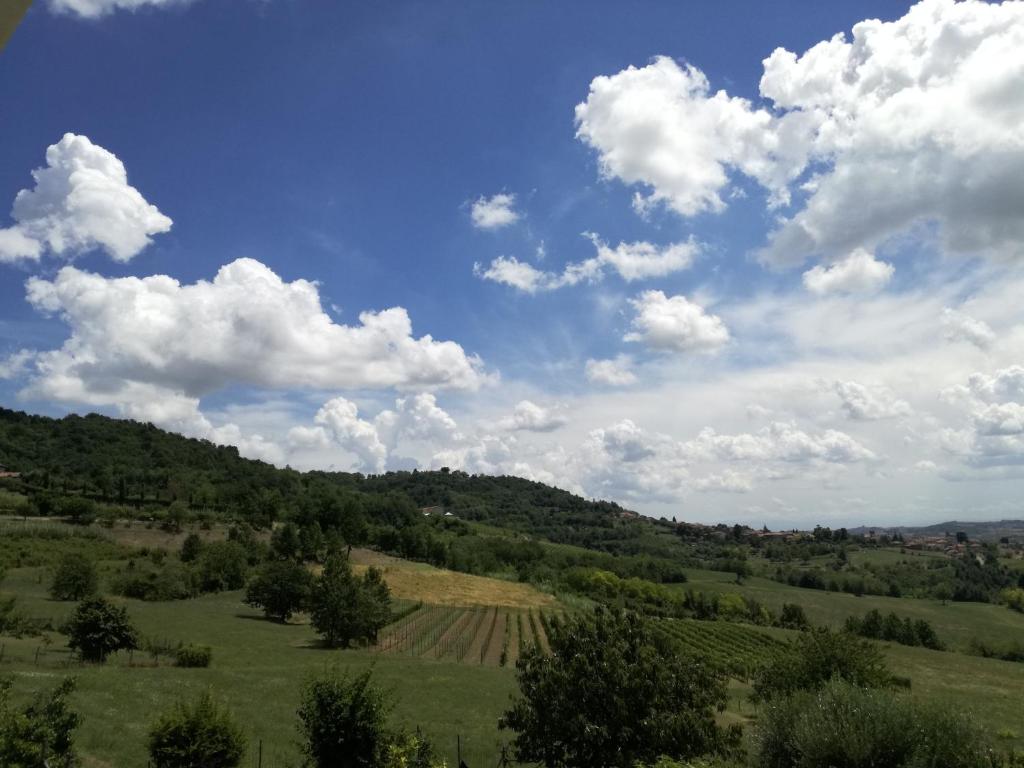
(16, 364)
(864, 404)
(911, 122)
(632, 261)
(859, 272)
(958, 326)
(339, 418)
(615, 372)
(246, 326)
(675, 324)
(993, 435)
(92, 9)
(81, 201)
(530, 417)
(779, 442)
(494, 212)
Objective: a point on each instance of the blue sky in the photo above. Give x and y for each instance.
(811, 314)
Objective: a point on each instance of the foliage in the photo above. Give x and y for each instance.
(191, 548)
(280, 588)
(817, 656)
(905, 631)
(793, 617)
(168, 581)
(97, 628)
(613, 693)
(14, 622)
(346, 608)
(343, 721)
(1013, 597)
(198, 734)
(222, 565)
(193, 656)
(41, 731)
(846, 726)
(78, 509)
(74, 579)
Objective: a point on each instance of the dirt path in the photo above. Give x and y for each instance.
(492, 654)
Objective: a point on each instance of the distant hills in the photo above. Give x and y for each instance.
(987, 530)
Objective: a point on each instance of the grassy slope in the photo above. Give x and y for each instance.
(956, 623)
(257, 669)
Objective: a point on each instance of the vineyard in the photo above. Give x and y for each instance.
(737, 648)
(491, 635)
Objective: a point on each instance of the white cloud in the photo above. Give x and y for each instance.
(780, 442)
(869, 404)
(615, 372)
(81, 201)
(911, 122)
(958, 326)
(16, 364)
(494, 212)
(859, 272)
(675, 324)
(92, 9)
(632, 261)
(417, 417)
(340, 419)
(247, 326)
(530, 417)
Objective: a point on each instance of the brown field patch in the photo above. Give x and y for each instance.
(437, 586)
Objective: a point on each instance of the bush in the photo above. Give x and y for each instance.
(74, 579)
(343, 721)
(843, 725)
(191, 547)
(193, 656)
(78, 509)
(201, 734)
(172, 581)
(97, 629)
(346, 608)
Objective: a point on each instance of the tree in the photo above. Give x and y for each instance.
(74, 579)
(193, 735)
(41, 731)
(284, 542)
(191, 548)
(817, 656)
(343, 721)
(97, 628)
(612, 693)
(344, 607)
(280, 588)
(78, 509)
(793, 617)
(222, 565)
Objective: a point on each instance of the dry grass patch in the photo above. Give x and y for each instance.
(436, 586)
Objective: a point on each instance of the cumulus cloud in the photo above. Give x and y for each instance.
(675, 324)
(16, 364)
(958, 326)
(615, 372)
(530, 417)
(780, 442)
(494, 212)
(869, 404)
(993, 435)
(907, 123)
(339, 419)
(632, 261)
(92, 9)
(81, 201)
(246, 326)
(859, 272)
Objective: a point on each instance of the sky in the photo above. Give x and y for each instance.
(723, 262)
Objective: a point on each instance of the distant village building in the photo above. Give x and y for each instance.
(4, 472)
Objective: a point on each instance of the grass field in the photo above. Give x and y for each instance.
(956, 623)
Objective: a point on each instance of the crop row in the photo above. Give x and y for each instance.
(738, 648)
(474, 635)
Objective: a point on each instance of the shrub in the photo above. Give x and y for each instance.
(200, 734)
(844, 725)
(97, 629)
(74, 579)
(343, 721)
(190, 548)
(193, 656)
(344, 607)
(222, 565)
(78, 509)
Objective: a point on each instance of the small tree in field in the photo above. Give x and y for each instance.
(344, 607)
(74, 579)
(280, 588)
(343, 721)
(97, 629)
(198, 735)
(612, 694)
(190, 548)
